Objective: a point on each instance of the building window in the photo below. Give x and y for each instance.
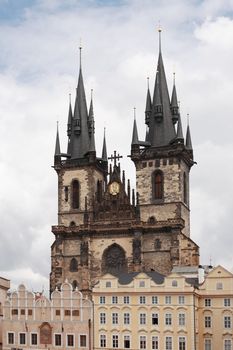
(67, 312)
(181, 318)
(57, 338)
(168, 343)
(207, 321)
(126, 341)
(115, 341)
(75, 312)
(29, 312)
(219, 285)
(11, 338)
(66, 190)
(126, 318)
(83, 340)
(70, 340)
(33, 338)
(158, 185)
(102, 340)
(154, 299)
(168, 319)
(114, 299)
(155, 343)
(142, 318)
(126, 299)
(14, 312)
(102, 299)
(182, 343)
(168, 299)
(114, 318)
(227, 321)
(181, 299)
(58, 312)
(73, 265)
(142, 299)
(155, 319)
(102, 318)
(174, 283)
(208, 344)
(75, 194)
(207, 303)
(108, 284)
(142, 342)
(227, 344)
(227, 302)
(22, 311)
(142, 284)
(22, 338)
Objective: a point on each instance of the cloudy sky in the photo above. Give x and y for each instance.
(39, 61)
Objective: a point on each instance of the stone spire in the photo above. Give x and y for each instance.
(161, 128)
(79, 139)
(104, 149)
(179, 134)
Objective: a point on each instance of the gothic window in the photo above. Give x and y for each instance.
(75, 194)
(66, 193)
(157, 184)
(114, 260)
(99, 190)
(185, 188)
(73, 265)
(157, 243)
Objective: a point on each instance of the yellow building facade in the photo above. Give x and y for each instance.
(150, 311)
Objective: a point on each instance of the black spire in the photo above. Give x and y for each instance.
(79, 134)
(188, 142)
(174, 103)
(148, 104)
(161, 128)
(69, 125)
(91, 126)
(135, 131)
(179, 134)
(57, 146)
(104, 149)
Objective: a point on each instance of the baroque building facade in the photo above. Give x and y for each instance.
(103, 225)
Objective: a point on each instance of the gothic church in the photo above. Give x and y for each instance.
(103, 225)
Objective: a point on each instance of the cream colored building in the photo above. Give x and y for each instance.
(32, 321)
(150, 311)
(144, 311)
(215, 311)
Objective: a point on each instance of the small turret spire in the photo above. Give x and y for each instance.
(159, 31)
(104, 149)
(135, 130)
(148, 104)
(174, 102)
(57, 146)
(179, 134)
(91, 125)
(188, 142)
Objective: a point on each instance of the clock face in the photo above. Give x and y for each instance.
(114, 188)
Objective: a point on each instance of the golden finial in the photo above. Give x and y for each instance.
(80, 52)
(148, 80)
(174, 77)
(188, 118)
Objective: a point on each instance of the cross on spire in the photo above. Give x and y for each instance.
(114, 158)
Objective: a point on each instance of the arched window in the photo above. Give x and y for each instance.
(75, 194)
(185, 188)
(114, 260)
(158, 184)
(73, 265)
(74, 284)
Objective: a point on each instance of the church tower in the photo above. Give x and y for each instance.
(103, 224)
